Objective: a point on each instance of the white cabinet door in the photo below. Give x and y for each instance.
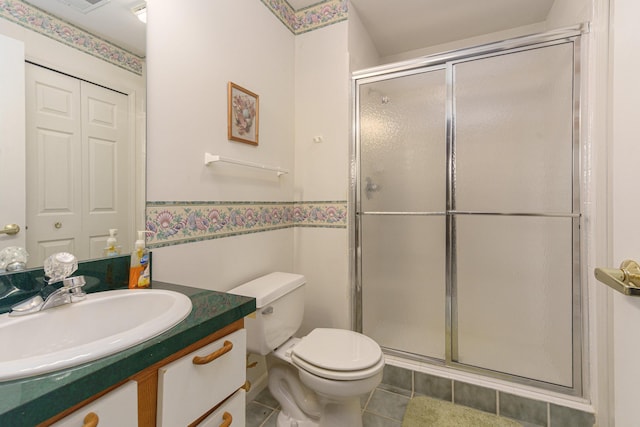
(231, 412)
(187, 390)
(116, 408)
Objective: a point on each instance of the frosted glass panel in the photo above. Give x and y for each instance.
(402, 143)
(513, 132)
(514, 295)
(403, 272)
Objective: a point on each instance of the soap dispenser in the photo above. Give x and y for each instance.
(112, 248)
(140, 270)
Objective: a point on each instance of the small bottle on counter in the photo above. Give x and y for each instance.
(112, 248)
(140, 270)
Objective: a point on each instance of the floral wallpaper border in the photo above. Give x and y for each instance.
(309, 18)
(172, 223)
(48, 25)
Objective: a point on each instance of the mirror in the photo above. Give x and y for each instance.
(101, 49)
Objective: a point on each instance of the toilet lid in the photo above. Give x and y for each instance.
(339, 375)
(338, 350)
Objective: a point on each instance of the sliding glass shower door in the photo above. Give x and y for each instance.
(467, 213)
(403, 181)
(513, 213)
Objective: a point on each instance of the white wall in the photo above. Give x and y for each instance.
(193, 52)
(322, 169)
(322, 109)
(470, 42)
(190, 65)
(565, 13)
(362, 51)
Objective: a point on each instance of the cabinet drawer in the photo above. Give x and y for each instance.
(231, 413)
(116, 408)
(187, 388)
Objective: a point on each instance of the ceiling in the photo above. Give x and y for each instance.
(394, 26)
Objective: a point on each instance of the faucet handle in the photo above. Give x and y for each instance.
(74, 285)
(74, 282)
(60, 266)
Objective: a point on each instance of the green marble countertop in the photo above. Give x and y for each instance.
(30, 401)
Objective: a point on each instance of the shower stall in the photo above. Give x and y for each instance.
(466, 210)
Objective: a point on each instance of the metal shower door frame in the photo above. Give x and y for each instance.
(448, 60)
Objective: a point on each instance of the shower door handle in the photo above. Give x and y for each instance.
(371, 187)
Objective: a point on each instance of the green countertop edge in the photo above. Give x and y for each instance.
(45, 396)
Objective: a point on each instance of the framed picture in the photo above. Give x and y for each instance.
(242, 119)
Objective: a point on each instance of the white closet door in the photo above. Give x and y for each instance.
(78, 165)
(107, 166)
(12, 210)
(53, 166)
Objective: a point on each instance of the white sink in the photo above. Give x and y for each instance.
(72, 334)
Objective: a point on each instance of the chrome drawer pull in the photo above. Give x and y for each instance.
(203, 360)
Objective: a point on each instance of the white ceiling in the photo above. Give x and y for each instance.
(395, 26)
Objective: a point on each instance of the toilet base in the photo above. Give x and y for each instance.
(285, 420)
(301, 407)
(333, 415)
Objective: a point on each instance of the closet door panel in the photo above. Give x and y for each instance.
(54, 159)
(107, 166)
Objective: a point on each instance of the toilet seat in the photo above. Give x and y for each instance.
(338, 354)
(337, 375)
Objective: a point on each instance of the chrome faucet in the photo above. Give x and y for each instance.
(59, 290)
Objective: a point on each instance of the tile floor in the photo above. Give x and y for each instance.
(381, 408)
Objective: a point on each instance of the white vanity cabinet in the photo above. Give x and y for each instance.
(191, 386)
(119, 408)
(183, 389)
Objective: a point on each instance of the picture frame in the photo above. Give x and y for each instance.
(242, 114)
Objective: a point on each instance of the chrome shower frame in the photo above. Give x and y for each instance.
(447, 60)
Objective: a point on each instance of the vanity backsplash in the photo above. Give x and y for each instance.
(101, 275)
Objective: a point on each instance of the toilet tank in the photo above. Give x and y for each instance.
(279, 309)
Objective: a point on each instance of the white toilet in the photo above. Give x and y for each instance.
(317, 379)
